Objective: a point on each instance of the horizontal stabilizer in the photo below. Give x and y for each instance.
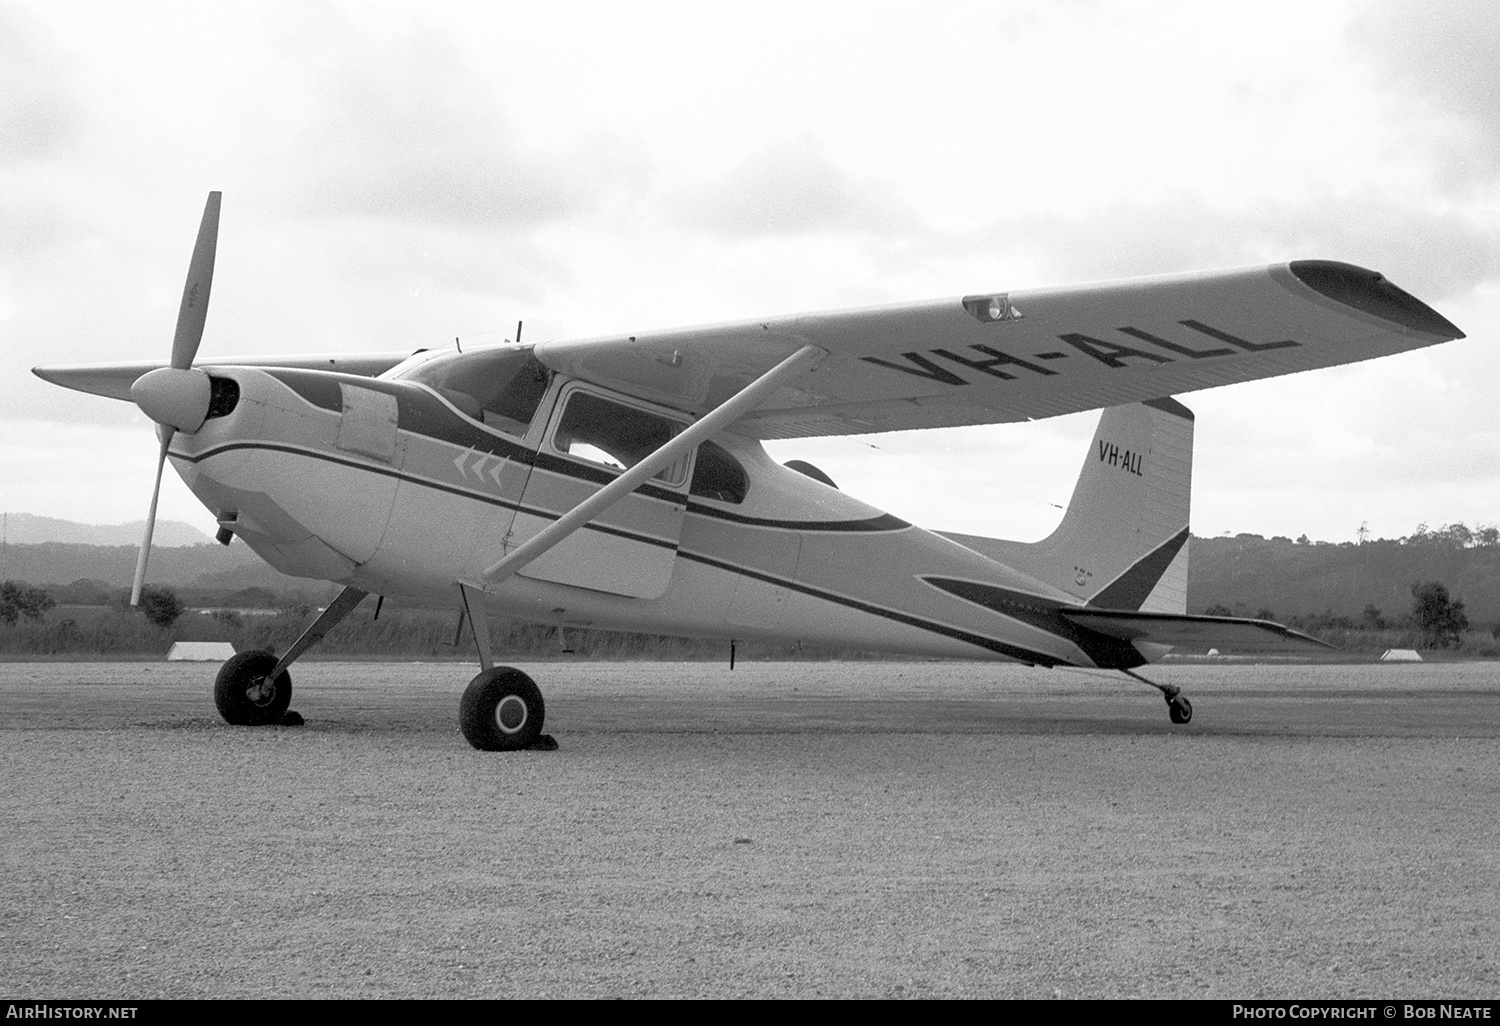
(1181, 629)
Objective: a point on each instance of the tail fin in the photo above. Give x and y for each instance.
(1123, 542)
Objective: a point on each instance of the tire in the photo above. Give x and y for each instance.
(241, 694)
(501, 711)
(1180, 710)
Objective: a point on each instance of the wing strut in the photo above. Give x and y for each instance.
(722, 415)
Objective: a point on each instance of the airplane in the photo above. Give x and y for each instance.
(620, 481)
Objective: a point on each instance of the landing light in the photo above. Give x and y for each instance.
(997, 307)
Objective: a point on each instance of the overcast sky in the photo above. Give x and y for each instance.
(398, 174)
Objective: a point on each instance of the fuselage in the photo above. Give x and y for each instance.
(399, 486)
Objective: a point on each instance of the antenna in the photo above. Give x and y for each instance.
(456, 344)
(518, 333)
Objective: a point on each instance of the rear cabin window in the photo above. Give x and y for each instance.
(614, 435)
(500, 387)
(718, 475)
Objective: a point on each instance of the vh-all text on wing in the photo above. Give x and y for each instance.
(620, 482)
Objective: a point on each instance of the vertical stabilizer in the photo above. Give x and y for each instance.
(1123, 543)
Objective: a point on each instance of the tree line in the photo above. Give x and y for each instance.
(118, 629)
(1437, 618)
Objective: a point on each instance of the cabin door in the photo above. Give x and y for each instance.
(630, 548)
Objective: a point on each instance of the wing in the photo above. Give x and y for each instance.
(1194, 631)
(1002, 357)
(113, 380)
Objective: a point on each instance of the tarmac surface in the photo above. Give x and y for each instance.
(785, 829)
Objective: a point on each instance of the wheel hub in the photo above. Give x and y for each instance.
(261, 692)
(511, 714)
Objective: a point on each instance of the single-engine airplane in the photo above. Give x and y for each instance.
(620, 481)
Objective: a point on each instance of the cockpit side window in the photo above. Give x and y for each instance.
(718, 475)
(614, 435)
(501, 387)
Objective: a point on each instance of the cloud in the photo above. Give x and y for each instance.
(1433, 254)
(39, 117)
(788, 190)
(28, 229)
(1441, 58)
(405, 130)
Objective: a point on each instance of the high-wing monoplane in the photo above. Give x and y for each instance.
(621, 482)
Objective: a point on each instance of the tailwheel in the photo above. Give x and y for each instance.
(502, 711)
(245, 695)
(1179, 709)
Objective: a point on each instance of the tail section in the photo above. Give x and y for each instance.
(1123, 543)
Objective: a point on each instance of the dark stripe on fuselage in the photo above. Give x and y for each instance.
(884, 522)
(1024, 655)
(1044, 614)
(1000, 647)
(880, 523)
(422, 413)
(465, 493)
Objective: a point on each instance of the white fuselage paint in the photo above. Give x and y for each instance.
(415, 514)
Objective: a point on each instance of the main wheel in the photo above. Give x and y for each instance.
(501, 711)
(1180, 709)
(243, 694)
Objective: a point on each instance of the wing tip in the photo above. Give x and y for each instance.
(1370, 292)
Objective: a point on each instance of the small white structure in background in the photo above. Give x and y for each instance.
(1401, 655)
(200, 651)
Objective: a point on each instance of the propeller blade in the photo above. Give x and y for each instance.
(200, 279)
(140, 563)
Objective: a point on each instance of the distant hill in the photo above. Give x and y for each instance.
(1248, 573)
(208, 567)
(30, 529)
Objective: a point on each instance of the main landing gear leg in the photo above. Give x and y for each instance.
(1179, 709)
(254, 689)
(502, 708)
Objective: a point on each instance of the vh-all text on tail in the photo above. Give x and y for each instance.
(620, 481)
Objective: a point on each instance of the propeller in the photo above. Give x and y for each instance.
(177, 397)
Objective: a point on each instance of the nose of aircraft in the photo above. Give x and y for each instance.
(178, 398)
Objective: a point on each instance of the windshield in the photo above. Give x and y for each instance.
(501, 386)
